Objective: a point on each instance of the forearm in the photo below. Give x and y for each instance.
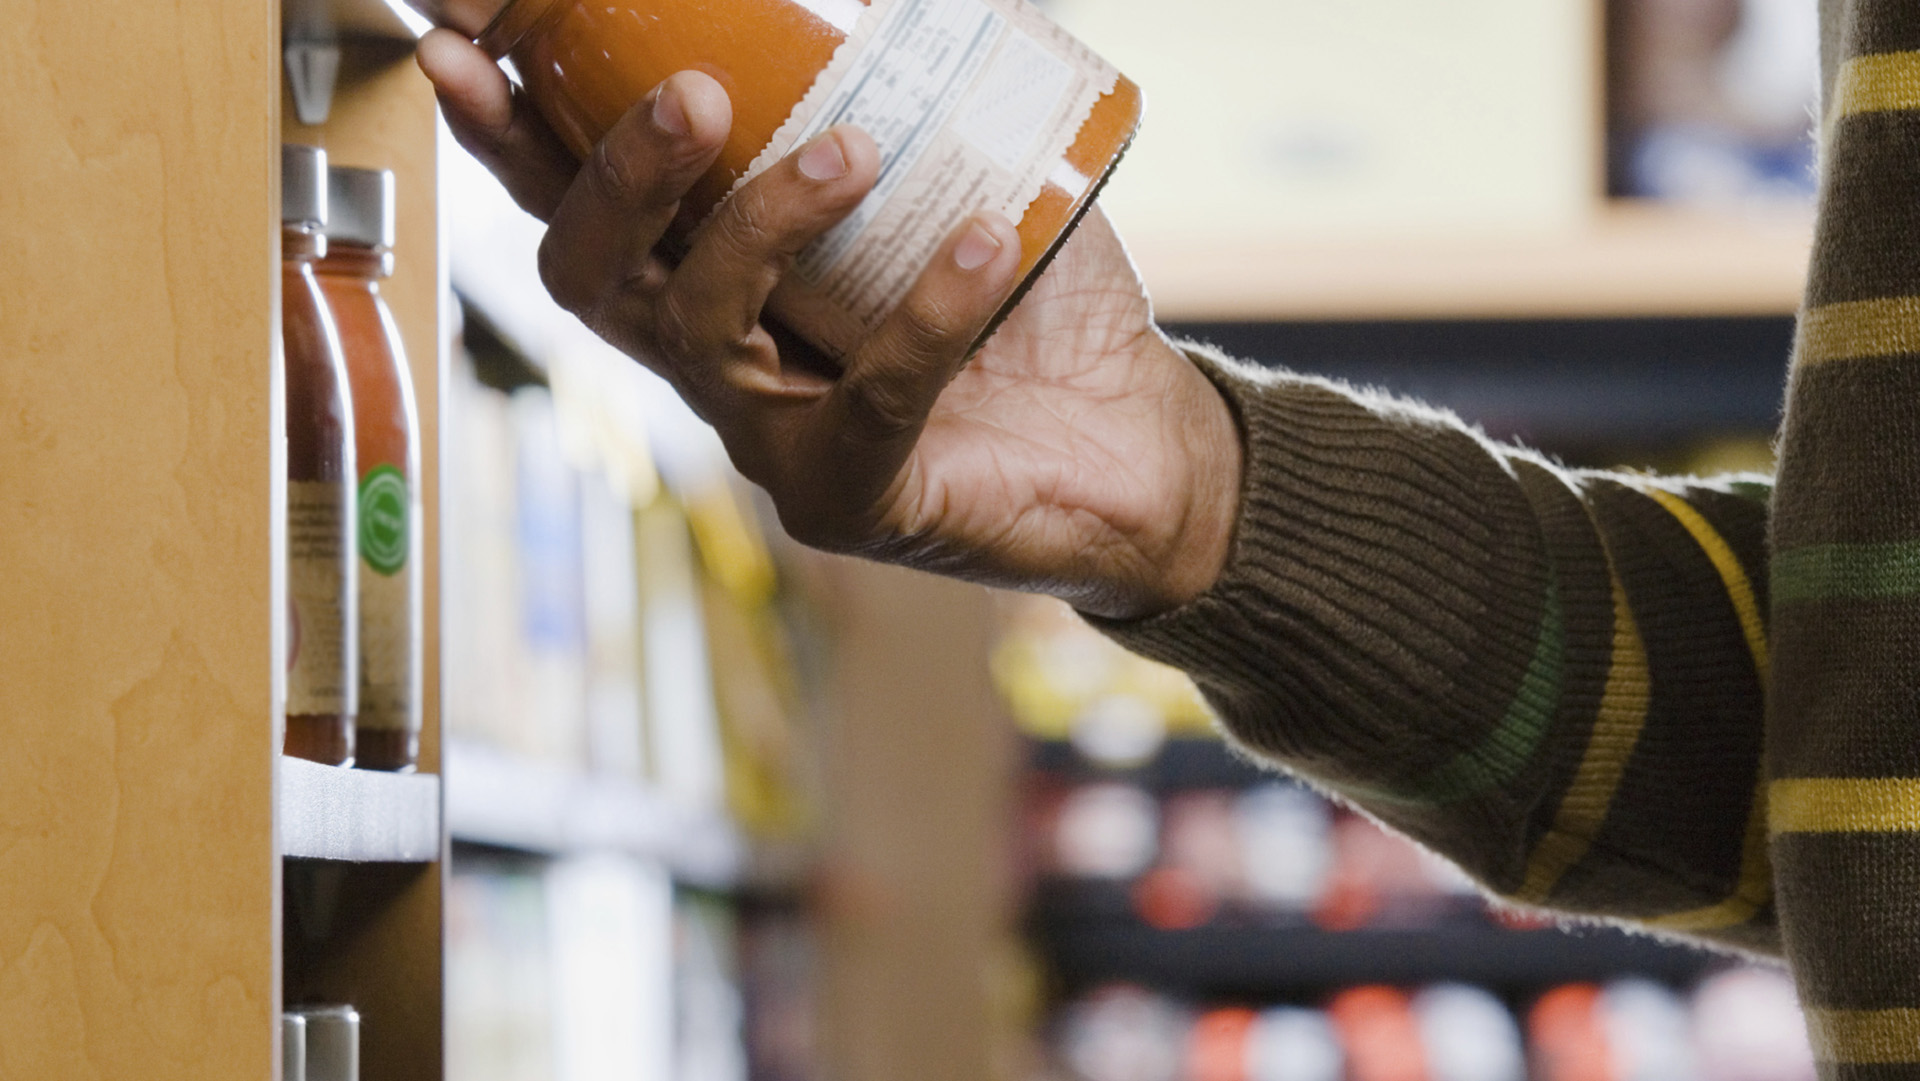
(1551, 677)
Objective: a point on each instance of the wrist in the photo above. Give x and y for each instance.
(1216, 468)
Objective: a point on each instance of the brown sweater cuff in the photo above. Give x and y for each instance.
(1362, 617)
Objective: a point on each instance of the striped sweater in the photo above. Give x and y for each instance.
(1692, 705)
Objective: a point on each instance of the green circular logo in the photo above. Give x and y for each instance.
(383, 519)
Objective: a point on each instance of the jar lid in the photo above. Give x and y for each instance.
(360, 207)
(303, 185)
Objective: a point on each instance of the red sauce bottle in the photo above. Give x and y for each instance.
(322, 635)
(359, 255)
(974, 104)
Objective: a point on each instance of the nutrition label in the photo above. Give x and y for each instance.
(972, 104)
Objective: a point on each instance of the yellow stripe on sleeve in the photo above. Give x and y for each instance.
(1755, 888)
(1616, 731)
(1865, 1037)
(1884, 82)
(1756, 880)
(1732, 575)
(1845, 805)
(1859, 328)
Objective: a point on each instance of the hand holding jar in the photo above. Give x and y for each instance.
(1078, 453)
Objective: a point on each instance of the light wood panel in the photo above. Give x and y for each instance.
(138, 176)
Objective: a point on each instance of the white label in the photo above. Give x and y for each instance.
(322, 677)
(973, 105)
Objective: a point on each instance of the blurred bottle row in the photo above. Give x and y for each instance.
(1742, 1024)
(595, 967)
(1271, 852)
(603, 620)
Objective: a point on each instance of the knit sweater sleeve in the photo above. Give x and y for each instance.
(1554, 678)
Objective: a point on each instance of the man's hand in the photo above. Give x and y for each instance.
(1079, 454)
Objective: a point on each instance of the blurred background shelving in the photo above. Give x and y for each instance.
(851, 866)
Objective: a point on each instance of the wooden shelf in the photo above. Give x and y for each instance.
(358, 815)
(1631, 260)
(496, 799)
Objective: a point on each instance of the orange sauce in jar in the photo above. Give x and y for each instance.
(977, 103)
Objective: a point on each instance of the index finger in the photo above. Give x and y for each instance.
(496, 123)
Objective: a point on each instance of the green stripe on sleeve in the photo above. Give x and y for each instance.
(1847, 572)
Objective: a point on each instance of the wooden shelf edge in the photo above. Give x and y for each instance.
(496, 799)
(360, 816)
(1628, 261)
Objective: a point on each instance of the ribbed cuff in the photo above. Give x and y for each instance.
(1374, 610)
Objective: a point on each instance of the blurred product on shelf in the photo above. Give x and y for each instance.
(499, 973)
(359, 255)
(1739, 1025)
(322, 629)
(1064, 681)
(597, 967)
(1747, 1027)
(601, 620)
(709, 1010)
(552, 582)
(1124, 1034)
(1273, 850)
(1289, 1043)
(615, 696)
(1713, 100)
(1469, 1035)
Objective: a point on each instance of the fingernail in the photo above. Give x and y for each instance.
(668, 114)
(976, 249)
(823, 160)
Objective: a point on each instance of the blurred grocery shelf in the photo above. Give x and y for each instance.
(502, 801)
(1090, 938)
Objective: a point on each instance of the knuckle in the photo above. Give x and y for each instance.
(673, 329)
(615, 170)
(746, 228)
(928, 326)
(880, 408)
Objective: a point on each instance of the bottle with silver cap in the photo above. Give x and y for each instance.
(360, 234)
(293, 1047)
(333, 1042)
(323, 683)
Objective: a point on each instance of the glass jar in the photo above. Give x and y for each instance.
(359, 254)
(322, 580)
(975, 104)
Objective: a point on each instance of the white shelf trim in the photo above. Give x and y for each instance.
(361, 816)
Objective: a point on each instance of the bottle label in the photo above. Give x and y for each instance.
(973, 104)
(321, 665)
(389, 601)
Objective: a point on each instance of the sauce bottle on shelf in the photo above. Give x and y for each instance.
(359, 254)
(975, 104)
(322, 632)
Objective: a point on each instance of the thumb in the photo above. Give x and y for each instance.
(879, 405)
